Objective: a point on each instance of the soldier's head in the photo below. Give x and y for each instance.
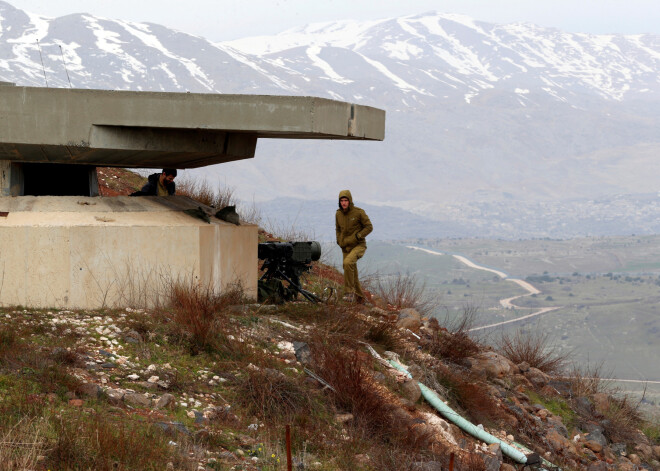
(344, 202)
(168, 175)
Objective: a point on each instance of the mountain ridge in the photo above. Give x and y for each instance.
(476, 112)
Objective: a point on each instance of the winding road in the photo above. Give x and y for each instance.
(508, 304)
(505, 303)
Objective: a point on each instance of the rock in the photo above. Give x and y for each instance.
(132, 336)
(490, 364)
(656, 451)
(376, 311)
(426, 466)
(491, 463)
(76, 402)
(537, 377)
(655, 464)
(645, 450)
(115, 396)
(635, 459)
(164, 401)
(411, 390)
(597, 466)
(343, 418)
(559, 443)
(409, 323)
(507, 467)
(496, 450)
(303, 353)
(523, 367)
(597, 437)
(584, 407)
(624, 464)
(608, 454)
(200, 419)
(89, 389)
(561, 387)
(618, 449)
(594, 446)
(410, 313)
(173, 427)
(542, 414)
(556, 423)
(135, 399)
(108, 365)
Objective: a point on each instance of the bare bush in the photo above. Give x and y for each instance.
(534, 348)
(454, 343)
(402, 291)
(271, 395)
(200, 311)
(587, 380)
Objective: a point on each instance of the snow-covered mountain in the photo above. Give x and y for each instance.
(476, 111)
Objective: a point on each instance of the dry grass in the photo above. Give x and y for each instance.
(200, 312)
(624, 418)
(203, 192)
(377, 412)
(271, 395)
(454, 342)
(401, 291)
(535, 349)
(585, 381)
(23, 443)
(94, 440)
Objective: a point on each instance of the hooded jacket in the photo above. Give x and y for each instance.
(352, 225)
(151, 187)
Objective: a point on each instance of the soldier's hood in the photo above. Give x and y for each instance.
(345, 194)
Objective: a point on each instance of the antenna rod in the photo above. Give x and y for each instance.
(42, 63)
(64, 64)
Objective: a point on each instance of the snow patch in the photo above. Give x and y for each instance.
(313, 54)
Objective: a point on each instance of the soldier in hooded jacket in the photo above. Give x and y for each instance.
(352, 226)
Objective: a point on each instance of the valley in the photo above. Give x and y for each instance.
(598, 298)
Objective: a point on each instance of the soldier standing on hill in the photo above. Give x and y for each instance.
(352, 226)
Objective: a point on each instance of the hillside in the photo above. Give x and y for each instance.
(211, 380)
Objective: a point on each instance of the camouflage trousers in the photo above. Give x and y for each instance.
(351, 281)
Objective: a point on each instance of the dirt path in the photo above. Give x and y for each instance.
(505, 303)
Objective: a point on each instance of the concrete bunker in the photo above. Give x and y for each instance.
(63, 246)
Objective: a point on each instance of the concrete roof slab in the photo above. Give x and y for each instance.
(153, 129)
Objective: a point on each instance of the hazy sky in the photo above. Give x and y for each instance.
(220, 20)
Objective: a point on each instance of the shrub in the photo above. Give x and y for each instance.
(200, 312)
(454, 342)
(271, 395)
(402, 291)
(535, 349)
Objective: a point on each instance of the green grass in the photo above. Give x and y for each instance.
(557, 406)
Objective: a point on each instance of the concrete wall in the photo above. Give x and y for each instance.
(77, 252)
